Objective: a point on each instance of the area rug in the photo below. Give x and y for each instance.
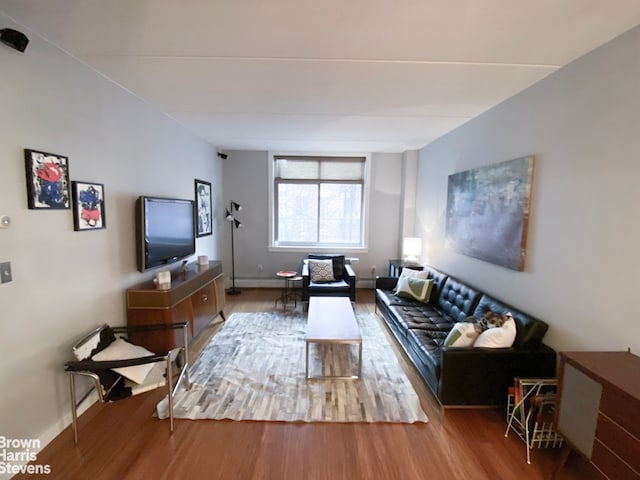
(254, 369)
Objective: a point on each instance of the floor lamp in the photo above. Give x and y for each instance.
(235, 223)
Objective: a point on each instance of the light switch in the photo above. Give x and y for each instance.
(5, 272)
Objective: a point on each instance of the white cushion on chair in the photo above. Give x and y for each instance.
(122, 350)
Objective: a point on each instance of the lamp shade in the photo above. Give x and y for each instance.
(411, 248)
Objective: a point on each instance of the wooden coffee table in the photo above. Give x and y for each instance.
(331, 321)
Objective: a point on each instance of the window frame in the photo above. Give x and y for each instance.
(362, 247)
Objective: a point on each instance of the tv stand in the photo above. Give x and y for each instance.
(196, 295)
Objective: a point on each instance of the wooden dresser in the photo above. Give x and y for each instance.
(196, 296)
(599, 410)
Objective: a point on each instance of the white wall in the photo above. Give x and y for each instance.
(66, 282)
(246, 180)
(583, 262)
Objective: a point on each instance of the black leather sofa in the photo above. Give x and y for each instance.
(462, 376)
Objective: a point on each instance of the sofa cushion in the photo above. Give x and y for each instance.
(421, 317)
(438, 280)
(389, 298)
(497, 337)
(463, 334)
(457, 300)
(529, 330)
(415, 288)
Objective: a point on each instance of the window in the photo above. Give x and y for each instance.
(318, 201)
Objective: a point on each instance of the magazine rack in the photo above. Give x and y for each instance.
(531, 404)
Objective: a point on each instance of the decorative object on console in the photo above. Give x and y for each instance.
(411, 249)
(488, 212)
(88, 206)
(47, 180)
(204, 209)
(235, 223)
(163, 280)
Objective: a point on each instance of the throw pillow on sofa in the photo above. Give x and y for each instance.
(463, 334)
(414, 288)
(409, 272)
(498, 337)
(321, 271)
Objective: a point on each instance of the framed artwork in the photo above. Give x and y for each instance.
(47, 180)
(88, 206)
(204, 208)
(488, 212)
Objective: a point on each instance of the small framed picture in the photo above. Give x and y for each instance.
(204, 208)
(47, 180)
(88, 206)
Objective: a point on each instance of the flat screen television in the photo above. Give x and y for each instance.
(165, 231)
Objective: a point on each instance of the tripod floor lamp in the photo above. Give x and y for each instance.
(235, 223)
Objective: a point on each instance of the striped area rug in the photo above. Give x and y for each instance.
(254, 369)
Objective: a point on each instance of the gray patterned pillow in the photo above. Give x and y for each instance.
(321, 271)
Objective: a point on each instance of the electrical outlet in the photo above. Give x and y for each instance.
(5, 272)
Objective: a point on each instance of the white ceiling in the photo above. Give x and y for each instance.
(324, 75)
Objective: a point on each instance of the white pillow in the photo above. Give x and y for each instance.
(498, 337)
(321, 270)
(463, 334)
(408, 272)
(122, 350)
(415, 288)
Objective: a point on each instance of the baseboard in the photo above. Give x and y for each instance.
(57, 428)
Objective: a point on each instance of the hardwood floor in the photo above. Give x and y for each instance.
(124, 441)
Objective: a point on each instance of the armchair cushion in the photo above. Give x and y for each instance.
(336, 260)
(321, 271)
(120, 349)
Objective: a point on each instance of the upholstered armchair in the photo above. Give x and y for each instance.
(326, 275)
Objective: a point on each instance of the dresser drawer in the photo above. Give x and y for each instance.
(615, 438)
(622, 409)
(610, 465)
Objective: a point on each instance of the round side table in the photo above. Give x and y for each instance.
(287, 290)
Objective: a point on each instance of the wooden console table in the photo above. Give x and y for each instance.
(599, 410)
(196, 296)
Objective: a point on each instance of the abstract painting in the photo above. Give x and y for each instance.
(488, 212)
(88, 206)
(47, 180)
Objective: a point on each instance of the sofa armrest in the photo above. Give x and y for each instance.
(386, 283)
(482, 376)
